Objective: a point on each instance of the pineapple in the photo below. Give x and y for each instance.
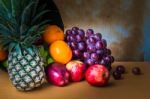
(20, 27)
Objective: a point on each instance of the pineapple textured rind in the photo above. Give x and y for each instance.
(26, 71)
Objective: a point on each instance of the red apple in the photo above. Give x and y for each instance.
(57, 74)
(97, 75)
(76, 70)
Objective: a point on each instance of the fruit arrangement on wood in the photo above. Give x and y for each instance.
(34, 51)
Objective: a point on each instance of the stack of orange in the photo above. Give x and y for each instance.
(58, 49)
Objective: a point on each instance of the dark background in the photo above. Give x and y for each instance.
(125, 24)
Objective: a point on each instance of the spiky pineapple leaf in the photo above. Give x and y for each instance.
(6, 6)
(4, 42)
(12, 46)
(39, 15)
(36, 34)
(38, 27)
(4, 29)
(15, 7)
(18, 48)
(20, 22)
(26, 17)
(29, 33)
(41, 8)
(35, 8)
(6, 15)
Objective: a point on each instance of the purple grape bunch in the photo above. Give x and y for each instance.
(89, 47)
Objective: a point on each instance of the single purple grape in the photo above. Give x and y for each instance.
(112, 59)
(96, 62)
(73, 45)
(107, 59)
(92, 40)
(86, 55)
(88, 41)
(108, 51)
(74, 32)
(116, 75)
(104, 43)
(81, 46)
(78, 38)
(99, 45)
(94, 56)
(72, 38)
(98, 36)
(90, 62)
(91, 48)
(75, 28)
(100, 52)
(68, 38)
(136, 70)
(103, 62)
(120, 69)
(77, 53)
(89, 32)
(81, 33)
(69, 43)
(68, 32)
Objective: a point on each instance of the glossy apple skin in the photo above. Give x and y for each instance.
(57, 74)
(97, 75)
(76, 70)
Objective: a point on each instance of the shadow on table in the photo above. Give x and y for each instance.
(110, 84)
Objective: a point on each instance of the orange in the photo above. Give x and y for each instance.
(53, 33)
(3, 55)
(60, 52)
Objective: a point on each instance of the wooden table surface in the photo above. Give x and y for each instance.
(131, 87)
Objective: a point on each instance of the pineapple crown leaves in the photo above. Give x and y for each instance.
(20, 50)
(20, 22)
